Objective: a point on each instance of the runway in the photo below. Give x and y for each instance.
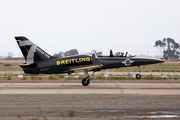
(93, 88)
(98, 101)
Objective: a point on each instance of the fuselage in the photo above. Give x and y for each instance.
(40, 62)
(81, 62)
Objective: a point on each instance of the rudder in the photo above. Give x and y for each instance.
(31, 52)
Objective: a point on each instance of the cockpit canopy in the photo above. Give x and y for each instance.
(112, 53)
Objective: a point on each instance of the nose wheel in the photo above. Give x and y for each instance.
(86, 81)
(138, 76)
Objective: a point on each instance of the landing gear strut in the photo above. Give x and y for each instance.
(138, 76)
(86, 80)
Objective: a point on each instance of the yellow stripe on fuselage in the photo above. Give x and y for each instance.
(85, 67)
(25, 64)
(42, 74)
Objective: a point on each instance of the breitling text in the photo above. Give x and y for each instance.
(75, 60)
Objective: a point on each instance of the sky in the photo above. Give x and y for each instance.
(61, 25)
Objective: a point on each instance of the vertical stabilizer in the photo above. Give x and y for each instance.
(31, 52)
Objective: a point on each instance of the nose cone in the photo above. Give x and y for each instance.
(155, 60)
(161, 61)
(146, 61)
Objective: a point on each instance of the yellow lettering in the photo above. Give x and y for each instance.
(70, 61)
(77, 61)
(88, 59)
(58, 62)
(83, 59)
(67, 62)
(73, 60)
(62, 62)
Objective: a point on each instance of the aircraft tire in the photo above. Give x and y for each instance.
(138, 76)
(85, 81)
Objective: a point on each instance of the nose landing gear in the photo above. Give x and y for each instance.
(138, 76)
(86, 81)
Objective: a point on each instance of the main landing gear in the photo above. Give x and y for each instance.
(138, 76)
(86, 81)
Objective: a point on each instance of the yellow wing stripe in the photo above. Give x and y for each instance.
(86, 67)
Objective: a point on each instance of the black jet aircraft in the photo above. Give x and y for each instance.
(40, 62)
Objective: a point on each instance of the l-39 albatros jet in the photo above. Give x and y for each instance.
(40, 62)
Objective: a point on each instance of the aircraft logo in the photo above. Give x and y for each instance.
(127, 62)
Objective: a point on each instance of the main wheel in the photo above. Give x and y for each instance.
(85, 81)
(138, 76)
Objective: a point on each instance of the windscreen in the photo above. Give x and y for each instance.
(112, 53)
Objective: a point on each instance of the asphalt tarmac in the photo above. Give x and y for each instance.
(93, 88)
(99, 101)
